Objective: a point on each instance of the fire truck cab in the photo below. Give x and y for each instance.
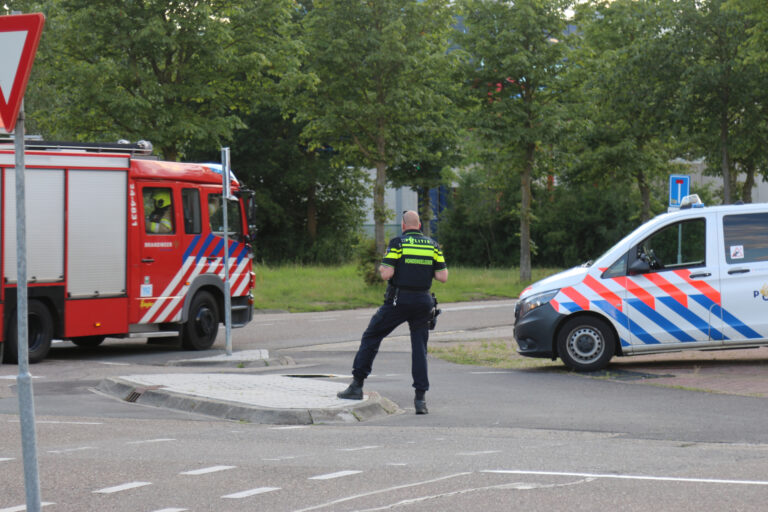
(120, 244)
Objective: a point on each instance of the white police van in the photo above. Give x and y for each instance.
(696, 278)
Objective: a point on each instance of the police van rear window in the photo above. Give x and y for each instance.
(746, 237)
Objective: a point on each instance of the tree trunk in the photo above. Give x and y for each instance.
(426, 212)
(312, 212)
(379, 208)
(725, 164)
(525, 214)
(749, 183)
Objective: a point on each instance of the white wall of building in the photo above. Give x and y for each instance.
(395, 199)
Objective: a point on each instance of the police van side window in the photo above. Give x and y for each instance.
(746, 237)
(679, 245)
(618, 269)
(190, 202)
(158, 210)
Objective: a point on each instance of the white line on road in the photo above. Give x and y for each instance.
(486, 452)
(380, 491)
(338, 474)
(171, 510)
(6, 459)
(122, 487)
(22, 508)
(252, 492)
(14, 377)
(203, 471)
(486, 306)
(486, 373)
(114, 364)
(357, 449)
(161, 440)
(629, 477)
(289, 427)
(69, 450)
(287, 457)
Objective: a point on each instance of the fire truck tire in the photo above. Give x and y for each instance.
(586, 344)
(199, 331)
(39, 331)
(88, 341)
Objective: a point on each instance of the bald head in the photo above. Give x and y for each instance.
(411, 220)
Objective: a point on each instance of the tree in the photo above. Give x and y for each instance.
(382, 88)
(626, 75)
(518, 55)
(177, 73)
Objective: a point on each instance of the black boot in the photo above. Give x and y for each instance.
(353, 392)
(419, 403)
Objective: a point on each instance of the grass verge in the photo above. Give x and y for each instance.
(497, 353)
(299, 288)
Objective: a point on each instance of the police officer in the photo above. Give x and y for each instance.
(409, 265)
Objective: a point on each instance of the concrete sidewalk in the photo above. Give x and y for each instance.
(278, 399)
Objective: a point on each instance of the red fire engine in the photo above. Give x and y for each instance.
(121, 245)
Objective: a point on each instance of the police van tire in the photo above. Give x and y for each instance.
(586, 344)
(39, 332)
(202, 325)
(88, 341)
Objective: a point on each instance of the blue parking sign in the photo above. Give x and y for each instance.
(679, 187)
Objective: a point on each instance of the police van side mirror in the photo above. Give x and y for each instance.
(639, 266)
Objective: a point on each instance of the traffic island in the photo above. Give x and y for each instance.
(270, 399)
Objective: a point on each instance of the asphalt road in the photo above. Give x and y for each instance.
(538, 440)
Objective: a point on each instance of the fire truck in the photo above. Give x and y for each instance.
(121, 245)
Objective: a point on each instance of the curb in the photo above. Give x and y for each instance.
(375, 405)
(272, 361)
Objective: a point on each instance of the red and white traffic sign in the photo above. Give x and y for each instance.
(19, 37)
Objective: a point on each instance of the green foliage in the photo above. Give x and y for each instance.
(368, 259)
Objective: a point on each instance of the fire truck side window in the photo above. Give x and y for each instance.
(190, 202)
(216, 217)
(158, 210)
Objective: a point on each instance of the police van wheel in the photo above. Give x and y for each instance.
(88, 341)
(39, 334)
(586, 344)
(199, 332)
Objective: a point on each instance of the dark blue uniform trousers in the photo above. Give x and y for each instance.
(412, 307)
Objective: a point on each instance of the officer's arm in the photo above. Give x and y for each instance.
(386, 272)
(441, 275)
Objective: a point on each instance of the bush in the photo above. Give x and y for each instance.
(368, 261)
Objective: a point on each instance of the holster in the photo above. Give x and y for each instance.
(435, 313)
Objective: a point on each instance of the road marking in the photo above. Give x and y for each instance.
(6, 459)
(397, 463)
(161, 440)
(380, 491)
(69, 450)
(114, 364)
(61, 422)
(171, 510)
(287, 457)
(14, 377)
(252, 492)
(338, 474)
(289, 427)
(486, 452)
(203, 471)
(22, 508)
(629, 477)
(122, 487)
(370, 447)
(486, 373)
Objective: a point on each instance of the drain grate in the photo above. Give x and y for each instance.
(137, 392)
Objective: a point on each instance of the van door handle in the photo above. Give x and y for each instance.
(702, 274)
(738, 271)
(147, 260)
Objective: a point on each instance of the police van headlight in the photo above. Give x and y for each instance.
(534, 301)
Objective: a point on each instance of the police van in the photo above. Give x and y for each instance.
(692, 279)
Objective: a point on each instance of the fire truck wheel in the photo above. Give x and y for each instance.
(88, 341)
(39, 333)
(585, 344)
(199, 332)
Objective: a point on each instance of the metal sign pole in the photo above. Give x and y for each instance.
(225, 203)
(24, 380)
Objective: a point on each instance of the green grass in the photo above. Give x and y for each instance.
(499, 353)
(298, 288)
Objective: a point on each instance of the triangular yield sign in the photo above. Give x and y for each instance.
(19, 37)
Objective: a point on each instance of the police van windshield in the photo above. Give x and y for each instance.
(216, 217)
